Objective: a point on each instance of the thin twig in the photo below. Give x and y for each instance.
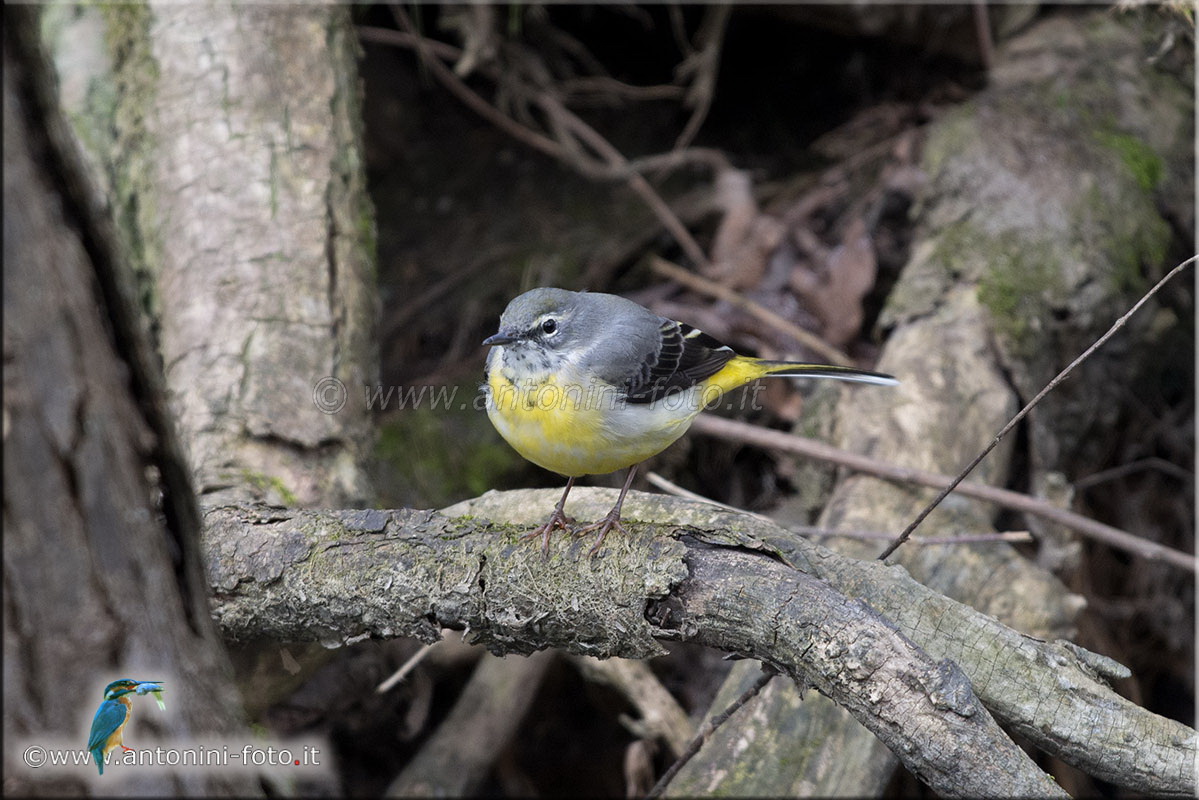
(679, 29)
(703, 285)
(1011, 537)
(407, 667)
(473, 101)
(706, 65)
(1140, 465)
(736, 431)
(613, 164)
(604, 85)
(815, 532)
(982, 30)
(614, 159)
(671, 487)
(444, 51)
(709, 157)
(1117, 325)
(709, 728)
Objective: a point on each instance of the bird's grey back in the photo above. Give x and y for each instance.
(621, 336)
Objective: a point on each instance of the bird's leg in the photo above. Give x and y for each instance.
(558, 520)
(127, 749)
(611, 519)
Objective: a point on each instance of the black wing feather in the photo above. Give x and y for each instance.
(687, 356)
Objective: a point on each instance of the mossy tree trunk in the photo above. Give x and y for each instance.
(101, 560)
(261, 218)
(241, 131)
(236, 172)
(227, 142)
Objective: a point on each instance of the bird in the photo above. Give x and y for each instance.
(108, 725)
(587, 383)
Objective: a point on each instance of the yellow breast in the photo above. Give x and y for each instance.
(575, 425)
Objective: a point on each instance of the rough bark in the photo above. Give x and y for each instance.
(255, 180)
(1035, 227)
(238, 176)
(790, 738)
(102, 574)
(428, 571)
(341, 576)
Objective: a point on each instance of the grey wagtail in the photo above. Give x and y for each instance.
(584, 384)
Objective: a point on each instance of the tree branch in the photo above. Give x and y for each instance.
(707, 286)
(1020, 679)
(345, 575)
(661, 716)
(735, 430)
(413, 572)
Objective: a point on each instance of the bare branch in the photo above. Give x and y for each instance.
(734, 430)
(704, 65)
(611, 164)
(703, 285)
(290, 573)
(1029, 406)
(345, 575)
(709, 728)
(1018, 678)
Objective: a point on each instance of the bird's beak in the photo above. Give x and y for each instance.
(503, 337)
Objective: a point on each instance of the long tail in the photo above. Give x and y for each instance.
(791, 369)
(740, 370)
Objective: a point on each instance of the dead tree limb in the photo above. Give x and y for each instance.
(710, 576)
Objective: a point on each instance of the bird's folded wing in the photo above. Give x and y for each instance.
(107, 719)
(685, 357)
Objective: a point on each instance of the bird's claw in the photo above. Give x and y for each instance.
(611, 520)
(557, 521)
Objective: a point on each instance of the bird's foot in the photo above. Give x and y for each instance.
(127, 749)
(557, 521)
(611, 520)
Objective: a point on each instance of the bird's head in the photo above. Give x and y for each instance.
(126, 686)
(542, 318)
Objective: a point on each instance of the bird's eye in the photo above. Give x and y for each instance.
(550, 326)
